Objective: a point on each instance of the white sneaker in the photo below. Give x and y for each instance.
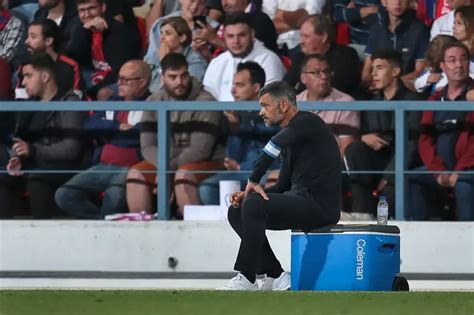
(239, 283)
(282, 283)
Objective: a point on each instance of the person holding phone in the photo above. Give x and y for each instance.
(176, 37)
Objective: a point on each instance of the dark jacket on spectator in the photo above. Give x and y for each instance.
(265, 30)
(7, 125)
(104, 130)
(383, 122)
(411, 39)
(54, 137)
(67, 73)
(358, 27)
(120, 43)
(463, 128)
(68, 40)
(344, 63)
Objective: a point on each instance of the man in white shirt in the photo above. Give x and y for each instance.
(241, 47)
(444, 24)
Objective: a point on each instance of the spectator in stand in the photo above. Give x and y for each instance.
(111, 44)
(446, 143)
(260, 22)
(463, 29)
(432, 78)
(375, 150)
(399, 29)
(359, 16)
(43, 36)
(242, 46)
(316, 76)
(248, 133)
(444, 24)
(287, 17)
(45, 140)
(317, 36)
(64, 14)
(11, 30)
(119, 135)
(189, 9)
(197, 148)
(176, 36)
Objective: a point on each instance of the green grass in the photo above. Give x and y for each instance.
(227, 303)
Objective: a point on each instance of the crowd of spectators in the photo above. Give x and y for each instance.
(227, 50)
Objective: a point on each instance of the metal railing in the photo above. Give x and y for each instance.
(163, 109)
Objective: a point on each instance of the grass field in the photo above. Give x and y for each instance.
(227, 303)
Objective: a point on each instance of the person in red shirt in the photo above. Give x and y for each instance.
(446, 144)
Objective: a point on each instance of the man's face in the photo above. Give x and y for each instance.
(242, 87)
(33, 80)
(177, 82)
(48, 4)
(35, 41)
(239, 39)
(231, 6)
(190, 8)
(310, 42)
(455, 64)
(395, 7)
(270, 111)
(129, 81)
(317, 77)
(383, 73)
(90, 10)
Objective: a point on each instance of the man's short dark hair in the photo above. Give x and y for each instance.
(455, 44)
(173, 61)
(49, 29)
(257, 74)
(319, 57)
(238, 18)
(40, 61)
(279, 90)
(393, 57)
(87, 1)
(323, 24)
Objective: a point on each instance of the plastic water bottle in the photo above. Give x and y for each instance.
(382, 211)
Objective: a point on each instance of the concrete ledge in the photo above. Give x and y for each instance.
(427, 248)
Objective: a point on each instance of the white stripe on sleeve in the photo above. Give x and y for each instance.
(272, 149)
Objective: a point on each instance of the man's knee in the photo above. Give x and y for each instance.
(253, 205)
(65, 197)
(233, 215)
(355, 149)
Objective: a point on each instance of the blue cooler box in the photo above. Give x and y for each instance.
(345, 258)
